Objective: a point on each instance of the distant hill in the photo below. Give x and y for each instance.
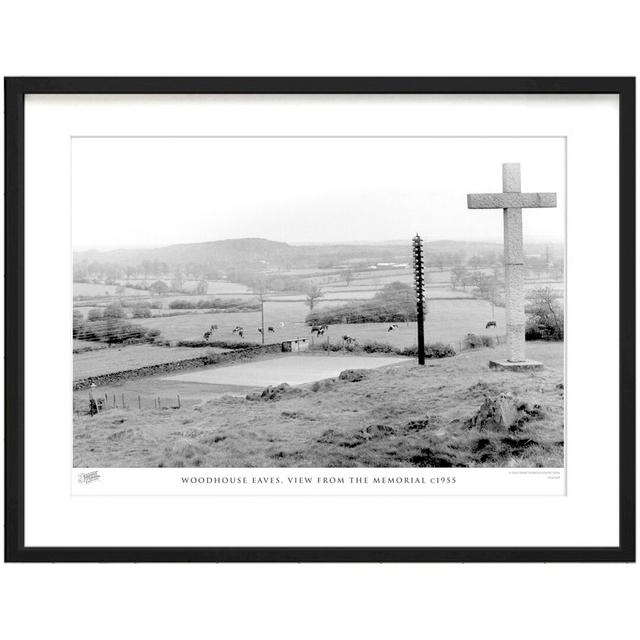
(258, 252)
(239, 250)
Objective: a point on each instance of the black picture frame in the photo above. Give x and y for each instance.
(15, 91)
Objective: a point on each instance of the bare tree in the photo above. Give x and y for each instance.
(458, 274)
(313, 293)
(347, 276)
(202, 287)
(259, 287)
(545, 314)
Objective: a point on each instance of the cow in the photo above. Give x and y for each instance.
(207, 334)
(270, 330)
(491, 323)
(237, 329)
(392, 327)
(319, 329)
(348, 340)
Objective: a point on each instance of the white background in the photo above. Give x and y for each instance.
(586, 516)
(332, 38)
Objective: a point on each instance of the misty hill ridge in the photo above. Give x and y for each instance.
(233, 250)
(253, 251)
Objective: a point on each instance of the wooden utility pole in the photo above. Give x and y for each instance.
(418, 279)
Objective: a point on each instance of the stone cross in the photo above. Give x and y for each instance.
(512, 201)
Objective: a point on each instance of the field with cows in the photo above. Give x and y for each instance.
(152, 336)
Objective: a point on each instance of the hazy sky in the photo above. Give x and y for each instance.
(139, 192)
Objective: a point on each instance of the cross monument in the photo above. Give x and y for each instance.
(512, 201)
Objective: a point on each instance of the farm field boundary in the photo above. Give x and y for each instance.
(178, 365)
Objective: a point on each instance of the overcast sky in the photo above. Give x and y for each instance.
(141, 192)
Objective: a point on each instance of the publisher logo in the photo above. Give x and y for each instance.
(88, 477)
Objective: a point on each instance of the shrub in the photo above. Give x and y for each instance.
(377, 347)
(94, 314)
(228, 304)
(78, 320)
(395, 302)
(181, 304)
(545, 315)
(113, 311)
(475, 341)
(140, 311)
(115, 331)
(220, 344)
(433, 350)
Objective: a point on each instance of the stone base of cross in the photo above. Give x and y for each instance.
(512, 201)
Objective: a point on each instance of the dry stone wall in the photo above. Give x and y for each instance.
(178, 365)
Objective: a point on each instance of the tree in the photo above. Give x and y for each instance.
(141, 310)
(458, 275)
(313, 293)
(474, 262)
(399, 297)
(94, 314)
(482, 283)
(202, 287)
(113, 311)
(545, 315)
(347, 276)
(158, 287)
(259, 287)
(177, 282)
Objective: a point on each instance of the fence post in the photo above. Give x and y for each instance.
(139, 405)
(178, 400)
(114, 400)
(123, 405)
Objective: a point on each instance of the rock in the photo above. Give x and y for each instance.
(503, 412)
(271, 393)
(379, 430)
(354, 375)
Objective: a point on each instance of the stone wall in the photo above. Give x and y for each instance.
(178, 365)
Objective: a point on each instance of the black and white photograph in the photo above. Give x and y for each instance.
(320, 319)
(318, 301)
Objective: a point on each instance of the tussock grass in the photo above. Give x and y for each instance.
(398, 416)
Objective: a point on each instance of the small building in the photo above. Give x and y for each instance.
(295, 346)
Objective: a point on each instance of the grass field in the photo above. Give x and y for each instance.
(92, 363)
(447, 321)
(397, 416)
(96, 290)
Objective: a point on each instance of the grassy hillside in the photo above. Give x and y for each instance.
(399, 416)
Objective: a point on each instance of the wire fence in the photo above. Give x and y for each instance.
(95, 403)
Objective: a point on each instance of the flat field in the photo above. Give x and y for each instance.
(401, 415)
(111, 360)
(97, 290)
(447, 321)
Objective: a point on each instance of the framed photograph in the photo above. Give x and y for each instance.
(320, 319)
